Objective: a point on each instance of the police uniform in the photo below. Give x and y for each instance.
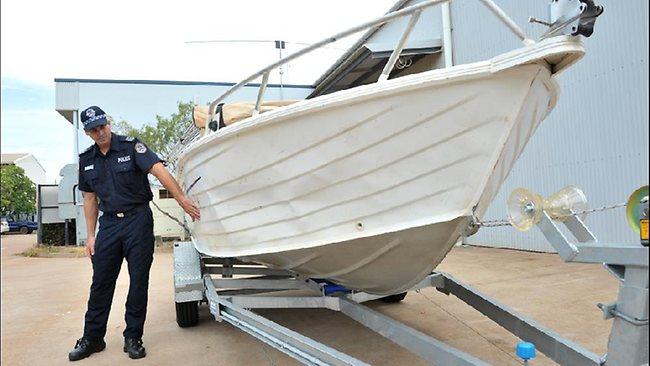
(119, 179)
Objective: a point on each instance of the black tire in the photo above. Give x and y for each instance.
(187, 314)
(394, 298)
(24, 230)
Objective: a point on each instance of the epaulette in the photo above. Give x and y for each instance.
(127, 138)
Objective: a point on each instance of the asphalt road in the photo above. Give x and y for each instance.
(44, 301)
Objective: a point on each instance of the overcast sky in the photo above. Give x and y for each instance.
(43, 40)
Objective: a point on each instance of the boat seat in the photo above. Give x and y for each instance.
(235, 112)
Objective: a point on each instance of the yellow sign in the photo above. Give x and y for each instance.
(644, 229)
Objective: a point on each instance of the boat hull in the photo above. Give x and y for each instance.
(383, 264)
(368, 187)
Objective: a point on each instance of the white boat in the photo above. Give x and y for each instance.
(371, 187)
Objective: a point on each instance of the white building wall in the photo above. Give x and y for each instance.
(33, 169)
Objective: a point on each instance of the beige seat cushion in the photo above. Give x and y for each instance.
(235, 112)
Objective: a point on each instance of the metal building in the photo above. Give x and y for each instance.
(597, 136)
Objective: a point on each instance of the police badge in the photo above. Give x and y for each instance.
(139, 147)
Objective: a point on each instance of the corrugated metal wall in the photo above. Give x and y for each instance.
(597, 136)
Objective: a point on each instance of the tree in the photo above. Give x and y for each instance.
(17, 192)
(162, 136)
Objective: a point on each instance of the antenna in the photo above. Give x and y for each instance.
(279, 45)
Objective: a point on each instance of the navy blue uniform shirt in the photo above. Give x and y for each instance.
(119, 178)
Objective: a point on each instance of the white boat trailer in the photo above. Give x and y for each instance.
(200, 279)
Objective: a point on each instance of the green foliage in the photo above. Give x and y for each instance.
(162, 136)
(17, 192)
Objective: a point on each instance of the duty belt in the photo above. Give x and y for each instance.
(128, 212)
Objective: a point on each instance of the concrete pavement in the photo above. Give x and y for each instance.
(44, 301)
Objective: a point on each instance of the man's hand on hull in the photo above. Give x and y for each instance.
(190, 208)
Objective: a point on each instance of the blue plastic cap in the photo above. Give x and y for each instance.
(525, 350)
(333, 288)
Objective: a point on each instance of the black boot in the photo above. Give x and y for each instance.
(134, 347)
(86, 347)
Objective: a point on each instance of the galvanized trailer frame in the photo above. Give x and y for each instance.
(230, 299)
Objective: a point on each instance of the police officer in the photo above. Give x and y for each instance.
(114, 170)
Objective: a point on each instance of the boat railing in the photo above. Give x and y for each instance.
(414, 11)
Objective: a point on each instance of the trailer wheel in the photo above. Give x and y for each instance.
(394, 298)
(187, 314)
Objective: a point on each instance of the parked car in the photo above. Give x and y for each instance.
(4, 226)
(23, 226)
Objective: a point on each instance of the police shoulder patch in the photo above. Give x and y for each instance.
(140, 147)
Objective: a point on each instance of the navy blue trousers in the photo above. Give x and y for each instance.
(128, 237)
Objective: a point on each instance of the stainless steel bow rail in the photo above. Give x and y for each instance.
(564, 16)
(414, 11)
(192, 134)
(232, 288)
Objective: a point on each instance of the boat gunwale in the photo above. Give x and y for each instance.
(534, 53)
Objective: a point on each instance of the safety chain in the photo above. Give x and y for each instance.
(499, 223)
(493, 223)
(599, 209)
